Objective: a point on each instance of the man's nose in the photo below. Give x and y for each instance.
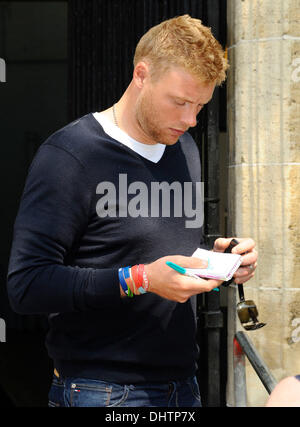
(190, 119)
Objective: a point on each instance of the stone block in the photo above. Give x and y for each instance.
(264, 201)
(263, 102)
(259, 19)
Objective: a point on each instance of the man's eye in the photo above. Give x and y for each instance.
(180, 103)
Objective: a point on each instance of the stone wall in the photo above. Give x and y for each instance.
(264, 173)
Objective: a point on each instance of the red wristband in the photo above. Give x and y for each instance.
(140, 271)
(135, 277)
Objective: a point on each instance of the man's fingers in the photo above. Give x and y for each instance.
(221, 244)
(197, 286)
(250, 258)
(245, 271)
(242, 279)
(245, 245)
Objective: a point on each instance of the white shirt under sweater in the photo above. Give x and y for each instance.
(151, 152)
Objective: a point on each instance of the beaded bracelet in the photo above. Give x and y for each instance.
(133, 280)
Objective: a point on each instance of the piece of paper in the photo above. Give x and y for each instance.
(220, 266)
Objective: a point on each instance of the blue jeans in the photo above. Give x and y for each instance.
(87, 392)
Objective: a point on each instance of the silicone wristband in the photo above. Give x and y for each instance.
(142, 290)
(132, 282)
(122, 281)
(135, 277)
(131, 289)
(126, 272)
(145, 281)
(140, 274)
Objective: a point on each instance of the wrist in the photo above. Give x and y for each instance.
(133, 280)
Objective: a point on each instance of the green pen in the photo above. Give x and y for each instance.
(182, 270)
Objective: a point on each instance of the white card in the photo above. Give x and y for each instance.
(220, 266)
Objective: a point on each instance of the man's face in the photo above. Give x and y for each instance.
(168, 106)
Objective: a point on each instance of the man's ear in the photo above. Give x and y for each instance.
(141, 73)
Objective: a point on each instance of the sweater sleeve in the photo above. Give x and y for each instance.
(53, 214)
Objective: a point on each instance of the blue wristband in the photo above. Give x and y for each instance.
(126, 272)
(122, 281)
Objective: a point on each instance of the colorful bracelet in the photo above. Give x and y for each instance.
(145, 281)
(123, 283)
(126, 274)
(133, 280)
(134, 276)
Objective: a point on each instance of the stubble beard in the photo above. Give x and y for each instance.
(147, 118)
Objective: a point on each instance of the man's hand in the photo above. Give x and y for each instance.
(249, 261)
(168, 283)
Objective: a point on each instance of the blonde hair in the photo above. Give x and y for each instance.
(183, 41)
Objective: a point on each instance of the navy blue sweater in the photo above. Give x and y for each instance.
(65, 258)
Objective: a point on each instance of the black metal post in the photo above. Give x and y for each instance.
(213, 315)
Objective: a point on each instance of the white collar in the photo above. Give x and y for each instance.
(151, 152)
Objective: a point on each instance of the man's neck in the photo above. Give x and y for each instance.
(124, 117)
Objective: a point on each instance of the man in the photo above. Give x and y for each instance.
(93, 233)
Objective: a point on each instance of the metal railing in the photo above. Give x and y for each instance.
(242, 345)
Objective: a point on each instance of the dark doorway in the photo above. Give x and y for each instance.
(33, 104)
